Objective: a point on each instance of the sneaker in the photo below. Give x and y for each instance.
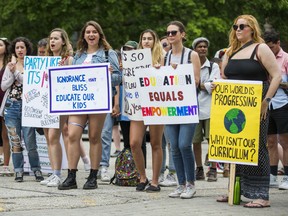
(273, 181)
(161, 178)
(169, 181)
(116, 153)
(54, 182)
(199, 174)
(6, 172)
(179, 190)
(46, 181)
(87, 167)
(212, 175)
(19, 176)
(104, 174)
(189, 192)
(38, 176)
(284, 183)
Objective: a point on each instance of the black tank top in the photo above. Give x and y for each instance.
(246, 69)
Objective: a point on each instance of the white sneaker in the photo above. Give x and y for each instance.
(46, 181)
(284, 183)
(179, 190)
(169, 181)
(55, 181)
(189, 192)
(161, 178)
(6, 171)
(87, 167)
(273, 181)
(104, 174)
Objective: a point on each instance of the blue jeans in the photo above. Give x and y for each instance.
(106, 137)
(13, 115)
(165, 140)
(180, 137)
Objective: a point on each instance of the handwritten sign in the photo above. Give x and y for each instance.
(235, 122)
(132, 62)
(35, 92)
(168, 96)
(80, 89)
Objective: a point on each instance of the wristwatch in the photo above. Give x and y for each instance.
(267, 100)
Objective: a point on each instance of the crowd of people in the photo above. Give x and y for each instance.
(248, 57)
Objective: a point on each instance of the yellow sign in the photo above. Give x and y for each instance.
(235, 122)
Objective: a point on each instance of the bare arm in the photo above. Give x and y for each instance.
(196, 66)
(268, 60)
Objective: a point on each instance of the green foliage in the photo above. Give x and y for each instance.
(125, 20)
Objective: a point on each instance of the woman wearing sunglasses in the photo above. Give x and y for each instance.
(249, 58)
(181, 135)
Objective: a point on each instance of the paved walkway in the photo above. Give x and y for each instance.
(30, 198)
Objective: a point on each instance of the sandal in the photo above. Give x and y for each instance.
(141, 186)
(152, 189)
(257, 204)
(223, 198)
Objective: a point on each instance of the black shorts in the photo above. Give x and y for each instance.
(278, 120)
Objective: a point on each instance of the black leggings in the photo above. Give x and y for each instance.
(125, 128)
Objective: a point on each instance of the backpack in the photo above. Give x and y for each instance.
(126, 173)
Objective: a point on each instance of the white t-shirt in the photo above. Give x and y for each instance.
(89, 58)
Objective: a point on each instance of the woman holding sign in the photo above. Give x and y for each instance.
(58, 45)
(92, 48)
(150, 40)
(12, 83)
(249, 58)
(181, 135)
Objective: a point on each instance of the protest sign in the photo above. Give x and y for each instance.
(35, 92)
(80, 89)
(168, 96)
(235, 122)
(132, 61)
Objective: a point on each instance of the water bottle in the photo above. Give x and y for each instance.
(237, 192)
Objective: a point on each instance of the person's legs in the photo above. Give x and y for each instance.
(156, 134)
(116, 136)
(173, 134)
(283, 140)
(125, 128)
(5, 140)
(106, 138)
(137, 130)
(12, 115)
(163, 166)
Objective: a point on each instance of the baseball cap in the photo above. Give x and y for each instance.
(131, 44)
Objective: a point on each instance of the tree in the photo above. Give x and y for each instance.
(125, 20)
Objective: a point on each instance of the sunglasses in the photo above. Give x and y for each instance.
(173, 33)
(241, 27)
